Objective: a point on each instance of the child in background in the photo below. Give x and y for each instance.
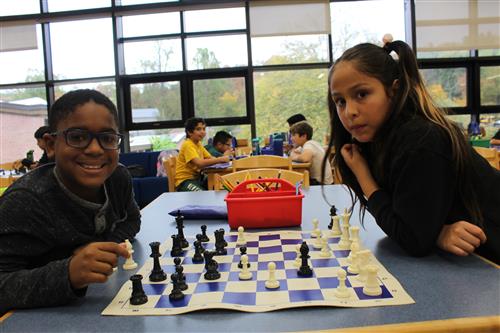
(287, 147)
(40, 132)
(193, 157)
(220, 144)
(310, 151)
(407, 163)
(61, 225)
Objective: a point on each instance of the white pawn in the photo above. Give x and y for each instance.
(353, 256)
(345, 243)
(363, 257)
(318, 244)
(316, 233)
(245, 274)
(297, 261)
(272, 283)
(129, 263)
(372, 287)
(341, 291)
(336, 226)
(241, 237)
(325, 249)
(354, 249)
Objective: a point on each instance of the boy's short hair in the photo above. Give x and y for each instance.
(221, 137)
(301, 128)
(295, 119)
(67, 104)
(41, 131)
(191, 123)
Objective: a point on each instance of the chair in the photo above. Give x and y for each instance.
(490, 154)
(169, 164)
(262, 161)
(237, 177)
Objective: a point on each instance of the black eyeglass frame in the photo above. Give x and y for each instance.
(92, 135)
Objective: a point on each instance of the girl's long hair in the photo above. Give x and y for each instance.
(396, 61)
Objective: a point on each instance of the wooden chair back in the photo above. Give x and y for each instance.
(490, 154)
(262, 161)
(169, 164)
(238, 177)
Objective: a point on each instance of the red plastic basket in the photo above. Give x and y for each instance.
(278, 207)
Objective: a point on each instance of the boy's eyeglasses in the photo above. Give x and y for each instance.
(79, 138)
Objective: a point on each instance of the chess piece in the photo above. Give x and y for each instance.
(199, 238)
(197, 257)
(272, 283)
(138, 296)
(243, 251)
(363, 258)
(241, 237)
(204, 237)
(297, 261)
(325, 249)
(179, 220)
(336, 226)
(176, 246)
(176, 293)
(341, 291)
(304, 270)
(372, 287)
(220, 243)
(333, 212)
(345, 217)
(181, 278)
(315, 233)
(345, 243)
(353, 262)
(129, 263)
(354, 236)
(245, 274)
(317, 244)
(157, 274)
(211, 266)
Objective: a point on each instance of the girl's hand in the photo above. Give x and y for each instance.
(359, 167)
(460, 238)
(94, 263)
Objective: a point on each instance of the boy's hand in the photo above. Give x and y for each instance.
(94, 263)
(460, 238)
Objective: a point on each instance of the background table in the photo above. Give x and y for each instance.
(443, 286)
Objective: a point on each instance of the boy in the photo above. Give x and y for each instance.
(220, 144)
(40, 132)
(310, 151)
(61, 224)
(193, 157)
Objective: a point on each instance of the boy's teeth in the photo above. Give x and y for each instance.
(91, 166)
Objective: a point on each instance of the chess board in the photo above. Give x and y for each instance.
(229, 292)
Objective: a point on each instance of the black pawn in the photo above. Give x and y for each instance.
(157, 274)
(333, 212)
(176, 246)
(182, 277)
(199, 238)
(304, 269)
(176, 293)
(138, 295)
(223, 241)
(243, 250)
(197, 257)
(179, 220)
(204, 237)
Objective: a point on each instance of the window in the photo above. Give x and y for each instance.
(108, 88)
(447, 86)
(155, 140)
(154, 102)
(490, 85)
(220, 98)
(15, 7)
(164, 55)
(216, 52)
(214, 19)
(152, 24)
(64, 5)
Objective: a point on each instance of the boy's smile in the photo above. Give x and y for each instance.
(84, 170)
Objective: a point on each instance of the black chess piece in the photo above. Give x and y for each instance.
(243, 250)
(204, 237)
(179, 220)
(176, 293)
(176, 246)
(304, 269)
(222, 240)
(197, 257)
(138, 296)
(199, 238)
(211, 266)
(333, 212)
(181, 278)
(157, 274)
(219, 243)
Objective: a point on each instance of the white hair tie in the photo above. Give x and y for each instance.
(394, 55)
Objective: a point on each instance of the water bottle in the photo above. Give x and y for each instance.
(255, 146)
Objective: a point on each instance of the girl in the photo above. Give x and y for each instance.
(406, 162)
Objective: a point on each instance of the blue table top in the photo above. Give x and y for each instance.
(443, 286)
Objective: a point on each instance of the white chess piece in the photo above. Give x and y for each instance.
(317, 244)
(241, 237)
(245, 274)
(346, 216)
(297, 261)
(341, 291)
(316, 233)
(354, 232)
(353, 266)
(272, 283)
(325, 249)
(345, 243)
(363, 258)
(336, 226)
(129, 263)
(372, 286)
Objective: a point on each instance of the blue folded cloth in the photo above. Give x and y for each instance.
(199, 212)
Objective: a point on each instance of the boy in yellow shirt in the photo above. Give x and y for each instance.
(193, 157)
